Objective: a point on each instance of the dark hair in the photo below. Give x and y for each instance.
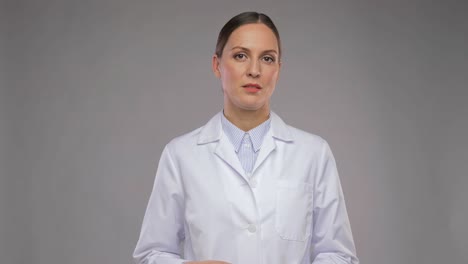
(240, 20)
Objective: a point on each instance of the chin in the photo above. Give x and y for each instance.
(248, 104)
(252, 107)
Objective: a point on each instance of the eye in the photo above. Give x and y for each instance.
(240, 56)
(268, 59)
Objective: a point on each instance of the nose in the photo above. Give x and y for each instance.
(254, 69)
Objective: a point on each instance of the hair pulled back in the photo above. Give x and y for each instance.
(240, 20)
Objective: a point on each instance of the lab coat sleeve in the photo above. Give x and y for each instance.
(332, 238)
(163, 224)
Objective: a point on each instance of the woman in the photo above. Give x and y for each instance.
(246, 188)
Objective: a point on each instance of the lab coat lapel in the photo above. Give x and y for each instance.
(226, 152)
(212, 132)
(268, 146)
(278, 131)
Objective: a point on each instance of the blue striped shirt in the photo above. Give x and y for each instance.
(246, 144)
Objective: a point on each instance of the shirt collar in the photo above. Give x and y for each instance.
(236, 134)
(213, 130)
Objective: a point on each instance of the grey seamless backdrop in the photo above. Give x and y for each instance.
(93, 90)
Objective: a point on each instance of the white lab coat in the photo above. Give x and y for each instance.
(290, 210)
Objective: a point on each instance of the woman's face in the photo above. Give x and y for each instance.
(249, 68)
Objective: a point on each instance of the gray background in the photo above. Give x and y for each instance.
(91, 91)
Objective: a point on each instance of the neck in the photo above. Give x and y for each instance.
(246, 119)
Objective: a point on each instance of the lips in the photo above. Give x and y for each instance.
(252, 86)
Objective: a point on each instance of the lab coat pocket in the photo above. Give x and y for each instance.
(294, 206)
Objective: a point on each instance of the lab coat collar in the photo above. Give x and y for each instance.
(279, 129)
(213, 130)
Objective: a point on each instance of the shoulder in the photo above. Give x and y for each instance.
(298, 137)
(184, 141)
(207, 133)
(304, 137)
(310, 143)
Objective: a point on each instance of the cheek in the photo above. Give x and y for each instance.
(231, 72)
(271, 77)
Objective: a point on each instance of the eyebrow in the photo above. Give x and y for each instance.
(246, 49)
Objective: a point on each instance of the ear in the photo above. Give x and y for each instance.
(215, 66)
(279, 69)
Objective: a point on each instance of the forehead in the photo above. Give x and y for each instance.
(253, 36)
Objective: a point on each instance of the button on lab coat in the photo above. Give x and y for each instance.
(289, 210)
